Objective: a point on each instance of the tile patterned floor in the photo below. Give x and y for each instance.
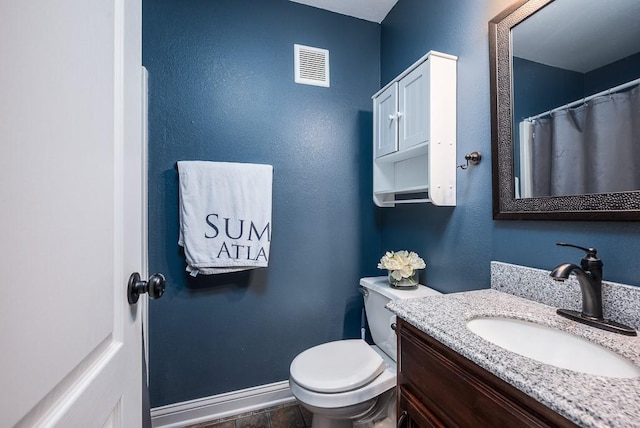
(291, 415)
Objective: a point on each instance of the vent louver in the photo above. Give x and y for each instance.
(311, 65)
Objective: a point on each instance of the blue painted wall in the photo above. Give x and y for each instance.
(221, 88)
(613, 74)
(538, 88)
(458, 243)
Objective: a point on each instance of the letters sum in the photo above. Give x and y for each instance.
(254, 232)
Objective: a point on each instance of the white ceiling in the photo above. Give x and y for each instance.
(580, 35)
(370, 10)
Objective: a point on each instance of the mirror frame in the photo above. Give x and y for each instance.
(620, 206)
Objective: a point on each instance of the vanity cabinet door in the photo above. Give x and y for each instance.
(440, 388)
(416, 415)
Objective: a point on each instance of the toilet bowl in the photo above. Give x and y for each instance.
(349, 383)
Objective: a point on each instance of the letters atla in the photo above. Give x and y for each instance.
(238, 230)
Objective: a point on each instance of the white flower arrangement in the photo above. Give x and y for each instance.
(401, 264)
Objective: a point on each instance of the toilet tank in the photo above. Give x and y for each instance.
(378, 293)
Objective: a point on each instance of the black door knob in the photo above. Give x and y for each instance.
(154, 286)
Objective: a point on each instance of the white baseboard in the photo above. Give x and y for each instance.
(221, 406)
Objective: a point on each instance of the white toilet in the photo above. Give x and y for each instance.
(349, 383)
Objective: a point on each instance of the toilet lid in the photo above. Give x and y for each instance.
(337, 366)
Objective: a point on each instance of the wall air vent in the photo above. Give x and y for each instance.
(311, 65)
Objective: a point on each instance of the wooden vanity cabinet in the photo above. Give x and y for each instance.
(437, 387)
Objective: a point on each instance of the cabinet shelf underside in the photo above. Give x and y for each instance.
(417, 150)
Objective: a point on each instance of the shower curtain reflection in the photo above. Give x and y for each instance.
(594, 148)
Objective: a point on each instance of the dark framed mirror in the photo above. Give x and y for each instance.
(565, 107)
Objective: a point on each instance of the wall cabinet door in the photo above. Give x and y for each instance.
(402, 113)
(413, 107)
(385, 108)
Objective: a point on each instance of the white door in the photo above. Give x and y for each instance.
(71, 157)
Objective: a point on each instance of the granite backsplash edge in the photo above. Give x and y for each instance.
(620, 301)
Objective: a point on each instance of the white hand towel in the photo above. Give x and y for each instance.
(225, 215)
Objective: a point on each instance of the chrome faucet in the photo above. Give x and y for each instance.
(589, 275)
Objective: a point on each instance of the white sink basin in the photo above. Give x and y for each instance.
(553, 347)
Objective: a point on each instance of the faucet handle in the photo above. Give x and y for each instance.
(591, 252)
(590, 260)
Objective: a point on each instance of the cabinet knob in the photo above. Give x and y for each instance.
(392, 117)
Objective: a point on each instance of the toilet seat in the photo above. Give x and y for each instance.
(383, 382)
(339, 366)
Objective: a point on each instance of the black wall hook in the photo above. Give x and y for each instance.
(472, 158)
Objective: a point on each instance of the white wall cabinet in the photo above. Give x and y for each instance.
(414, 135)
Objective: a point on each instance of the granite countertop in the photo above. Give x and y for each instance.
(587, 400)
